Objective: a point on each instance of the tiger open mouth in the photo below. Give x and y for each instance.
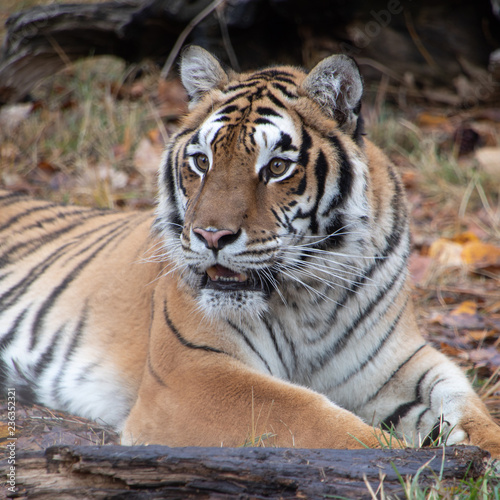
(221, 278)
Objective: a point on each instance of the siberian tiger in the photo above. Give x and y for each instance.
(267, 295)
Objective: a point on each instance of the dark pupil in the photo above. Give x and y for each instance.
(277, 166)
(202, 162)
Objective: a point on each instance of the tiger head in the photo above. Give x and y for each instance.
(262, 192)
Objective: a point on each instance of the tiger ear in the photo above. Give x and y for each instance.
(336, 85)
(200, 72)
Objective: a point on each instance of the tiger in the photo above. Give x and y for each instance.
(266, 295)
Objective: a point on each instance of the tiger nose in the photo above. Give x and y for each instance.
(216, 238)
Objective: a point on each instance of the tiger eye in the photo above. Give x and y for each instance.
(278, 166)
(202, 162)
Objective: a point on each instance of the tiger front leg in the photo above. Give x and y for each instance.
(431, 399)
(220, 401)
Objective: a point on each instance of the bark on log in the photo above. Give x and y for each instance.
(147, 472)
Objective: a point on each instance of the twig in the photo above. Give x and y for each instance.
(226, 40)
(182, 37)
(418, 42)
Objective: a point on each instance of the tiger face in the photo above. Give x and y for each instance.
(265, 174)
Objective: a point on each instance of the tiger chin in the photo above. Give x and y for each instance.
(267, 295)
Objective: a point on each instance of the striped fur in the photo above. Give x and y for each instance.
(269, 298)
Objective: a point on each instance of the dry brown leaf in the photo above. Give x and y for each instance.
(426, 119)
(450, 350)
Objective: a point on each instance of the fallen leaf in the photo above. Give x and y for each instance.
(5, 431)
(488, 356)
(465, 237)
(464, 321)
(467, 307)
(426, 119)
(446, 252)
(481, 335)
(480, 255)
(450, 350)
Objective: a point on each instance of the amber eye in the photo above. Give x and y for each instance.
(201, 161)
(278, 166)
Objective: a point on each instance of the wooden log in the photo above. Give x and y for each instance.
(42, 40)
(146, 472)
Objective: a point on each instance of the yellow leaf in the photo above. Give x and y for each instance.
(467, 307)
(5, 431)
(465, 237)
(446, 252)
(478, 254)
(480, 335)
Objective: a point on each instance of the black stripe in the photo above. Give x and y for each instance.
(345, 178)
(24, 386)
(12, 295)
(70, 351)
(235, 97)
(25, 213)
(184, 341)
(5, 343)
(320, 172)
(263, 121)
(33, 245)
(285, 143)
(249, 343)
(393, 240)
(9, 337)
(153, 373)
(277, 347)
(61, 287)
(284, 90)
(401, 411)
(434, 433)
(377, 349)
(48, 355)
(274, 74)
(228, 109)
(264, 110)
(305, 148)
(11, 198)
(394, 373)
(341, 342)
(275, 100)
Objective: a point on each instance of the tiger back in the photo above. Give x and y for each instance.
(272, 276)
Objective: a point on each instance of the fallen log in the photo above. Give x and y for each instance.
(146, 472)
(419, 46)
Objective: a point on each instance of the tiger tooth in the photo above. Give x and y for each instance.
(214, 275)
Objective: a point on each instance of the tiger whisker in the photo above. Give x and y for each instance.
(312, 291)
(293, 259)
